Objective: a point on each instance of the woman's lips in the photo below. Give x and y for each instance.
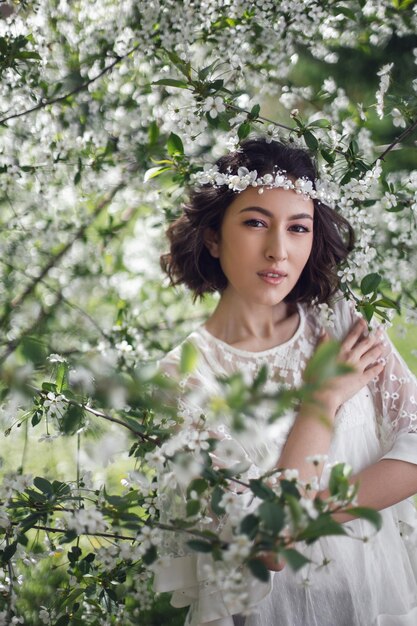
(272, 278)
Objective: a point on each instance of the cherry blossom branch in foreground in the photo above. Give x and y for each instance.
(81, 87)
(17, 301)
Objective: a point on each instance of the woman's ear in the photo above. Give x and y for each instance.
(211, 240)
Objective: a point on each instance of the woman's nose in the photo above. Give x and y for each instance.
(276, 249)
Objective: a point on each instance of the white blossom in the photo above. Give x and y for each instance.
(214, 106)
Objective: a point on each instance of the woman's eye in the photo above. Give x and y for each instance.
(255, 223)
(299, 228)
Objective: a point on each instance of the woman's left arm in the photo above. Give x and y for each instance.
(392, 478)
(382, 484)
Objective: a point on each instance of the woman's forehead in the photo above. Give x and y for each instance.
(277, 201)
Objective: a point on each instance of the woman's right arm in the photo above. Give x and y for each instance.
(313, 426)
(312, 431)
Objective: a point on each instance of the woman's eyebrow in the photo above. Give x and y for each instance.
(259, 209)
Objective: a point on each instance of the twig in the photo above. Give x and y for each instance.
(188, 531)
(17, 301)
(62, 530)
(115, 420)
(105, 416)
(81, 87)
(11, 345)
(260, 117)
(61, 297)
(10, 592)
(398, 140)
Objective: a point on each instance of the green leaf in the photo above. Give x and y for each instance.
(371, 515)
(205, 71)
(171, 82)
(255, 111)
(216, 497)
(261, 377)
(8, 552)
(368, 310)
(289, 487)
(311, 140)
(153, 172)
(72, 596)
(61, 376)
(63, 620)
(387, 303)
(243, 130)
(150, 555)
(328, 156)
(43, 485)
(347, 13)
(261, 490)
(295, 559)
(36, 418)
(321, 123)
(259, 570)
(272, 516)
(215, 85)
(339, 480)
(174, 145)
(199, 485)
(320, 527)
(323, 363)
(193, 507)
(49, 387)
(249, 525)
(370, 283)
(33, 349)
(74, 554)
(200, 546)
(295, 509)
(189, 358)
(153, 132)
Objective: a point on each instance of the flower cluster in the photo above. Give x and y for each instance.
(244, 178)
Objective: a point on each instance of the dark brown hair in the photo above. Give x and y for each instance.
(189, 262)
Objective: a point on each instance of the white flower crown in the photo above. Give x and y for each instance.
(245, 178)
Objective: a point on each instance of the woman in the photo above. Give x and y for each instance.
(258, 231)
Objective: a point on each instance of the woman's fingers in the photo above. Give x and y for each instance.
(369, 357)
(363, 347)
(372, 371)
(354, 335)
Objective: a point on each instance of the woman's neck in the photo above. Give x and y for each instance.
(256, 327)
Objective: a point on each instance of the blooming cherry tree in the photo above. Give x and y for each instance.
(108, 110)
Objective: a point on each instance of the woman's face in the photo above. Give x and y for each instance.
(264, 243)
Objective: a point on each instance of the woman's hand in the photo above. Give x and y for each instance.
(362, 352)
(272, 561)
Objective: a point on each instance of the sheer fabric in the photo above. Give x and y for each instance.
(365, 583)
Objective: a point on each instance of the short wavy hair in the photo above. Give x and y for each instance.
(190, 263)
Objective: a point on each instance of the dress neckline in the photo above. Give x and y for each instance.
(203, 331)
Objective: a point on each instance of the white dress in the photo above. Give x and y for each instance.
(372, 583)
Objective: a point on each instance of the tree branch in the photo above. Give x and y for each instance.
(17, 301)
(10, 346)
(260, 117)
(105, 416)
(81, 87)
(398, 140)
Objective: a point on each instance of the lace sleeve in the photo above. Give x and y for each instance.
(395, 397)
(394, 394)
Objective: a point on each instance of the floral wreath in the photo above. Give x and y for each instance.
(245, 178)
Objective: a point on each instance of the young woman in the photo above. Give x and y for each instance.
(257, 231)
